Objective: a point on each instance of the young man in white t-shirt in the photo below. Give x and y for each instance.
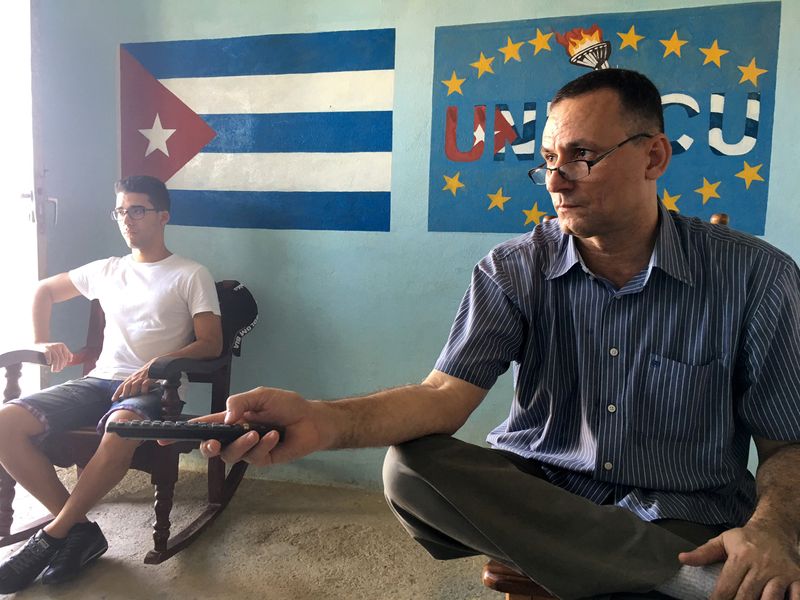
(156, 304)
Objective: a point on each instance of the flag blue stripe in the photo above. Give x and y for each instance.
(334, 51)
(339, 211)
(302, 132)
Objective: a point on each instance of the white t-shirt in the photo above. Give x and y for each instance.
(148, 308)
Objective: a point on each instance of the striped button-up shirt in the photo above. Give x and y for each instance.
(644, 396)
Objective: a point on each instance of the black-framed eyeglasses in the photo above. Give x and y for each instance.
(135, 212)
(577, 169)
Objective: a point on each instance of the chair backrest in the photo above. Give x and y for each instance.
(88, 355)
(239, 314)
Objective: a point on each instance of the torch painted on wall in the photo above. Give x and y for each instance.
(586, 47)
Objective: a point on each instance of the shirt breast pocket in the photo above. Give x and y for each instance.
(680, 401)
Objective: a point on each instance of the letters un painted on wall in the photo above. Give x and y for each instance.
(715, 68)
(290, 131)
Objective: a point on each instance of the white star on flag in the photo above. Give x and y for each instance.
(157, 137)
(479, 134)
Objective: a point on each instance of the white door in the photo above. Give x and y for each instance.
(18, 229)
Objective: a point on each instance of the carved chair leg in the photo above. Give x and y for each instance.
(163, 478)
(13, 374)
(171, 403)
(165, 493)
(7, 492)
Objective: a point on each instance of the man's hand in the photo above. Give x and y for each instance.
(136, 384)
(760, 563)
(267, 405)
(57, 355)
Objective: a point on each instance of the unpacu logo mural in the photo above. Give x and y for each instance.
(715, 67)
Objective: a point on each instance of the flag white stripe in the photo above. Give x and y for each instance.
(307, 92)
(287, 172)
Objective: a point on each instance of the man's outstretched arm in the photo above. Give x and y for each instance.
(440, 404)
(761, 558)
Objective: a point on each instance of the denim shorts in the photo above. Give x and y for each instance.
(86, 401)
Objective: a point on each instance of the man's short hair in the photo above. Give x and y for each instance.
(154, 188)
(638, 95)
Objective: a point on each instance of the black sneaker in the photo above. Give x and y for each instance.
(20, 569)
(85, 542)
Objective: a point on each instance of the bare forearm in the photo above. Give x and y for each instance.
(778, 485)
(440, 404)
(42, 309)
(397, 415)
(200, 349)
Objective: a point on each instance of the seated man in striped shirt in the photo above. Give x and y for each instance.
(647, 348)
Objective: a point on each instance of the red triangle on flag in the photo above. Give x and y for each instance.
(142, 99)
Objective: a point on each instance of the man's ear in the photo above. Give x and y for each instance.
(658, 157)
(164, 217)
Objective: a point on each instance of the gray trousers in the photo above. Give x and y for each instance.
(457, 499)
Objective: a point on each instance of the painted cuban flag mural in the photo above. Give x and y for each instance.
(290, 131)
(715, 67)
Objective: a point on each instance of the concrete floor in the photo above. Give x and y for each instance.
(275, 540)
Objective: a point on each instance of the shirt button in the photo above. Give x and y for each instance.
(608, 466)
(613, 351)
(612, 408)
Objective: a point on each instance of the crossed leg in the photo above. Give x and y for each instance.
(457, 499)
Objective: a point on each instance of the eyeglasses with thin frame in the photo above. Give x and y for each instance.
(135, 212)
(577, 169)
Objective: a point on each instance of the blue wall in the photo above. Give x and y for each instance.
(341, 313)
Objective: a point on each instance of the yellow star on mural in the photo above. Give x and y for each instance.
(541, 41)
(483, 64)
(452, 183)
(709, 190)
(511, 50)
(454, 84)
(630, 39)
(751, 72)
(673, 44)
(533, 215)
(713, 54)
(670, 201)
(498, 200)
(750, 174)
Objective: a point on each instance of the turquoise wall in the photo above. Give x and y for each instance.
(341, 313)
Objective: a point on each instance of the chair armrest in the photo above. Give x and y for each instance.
(28, 355)
(15, 357)
(172, 368)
